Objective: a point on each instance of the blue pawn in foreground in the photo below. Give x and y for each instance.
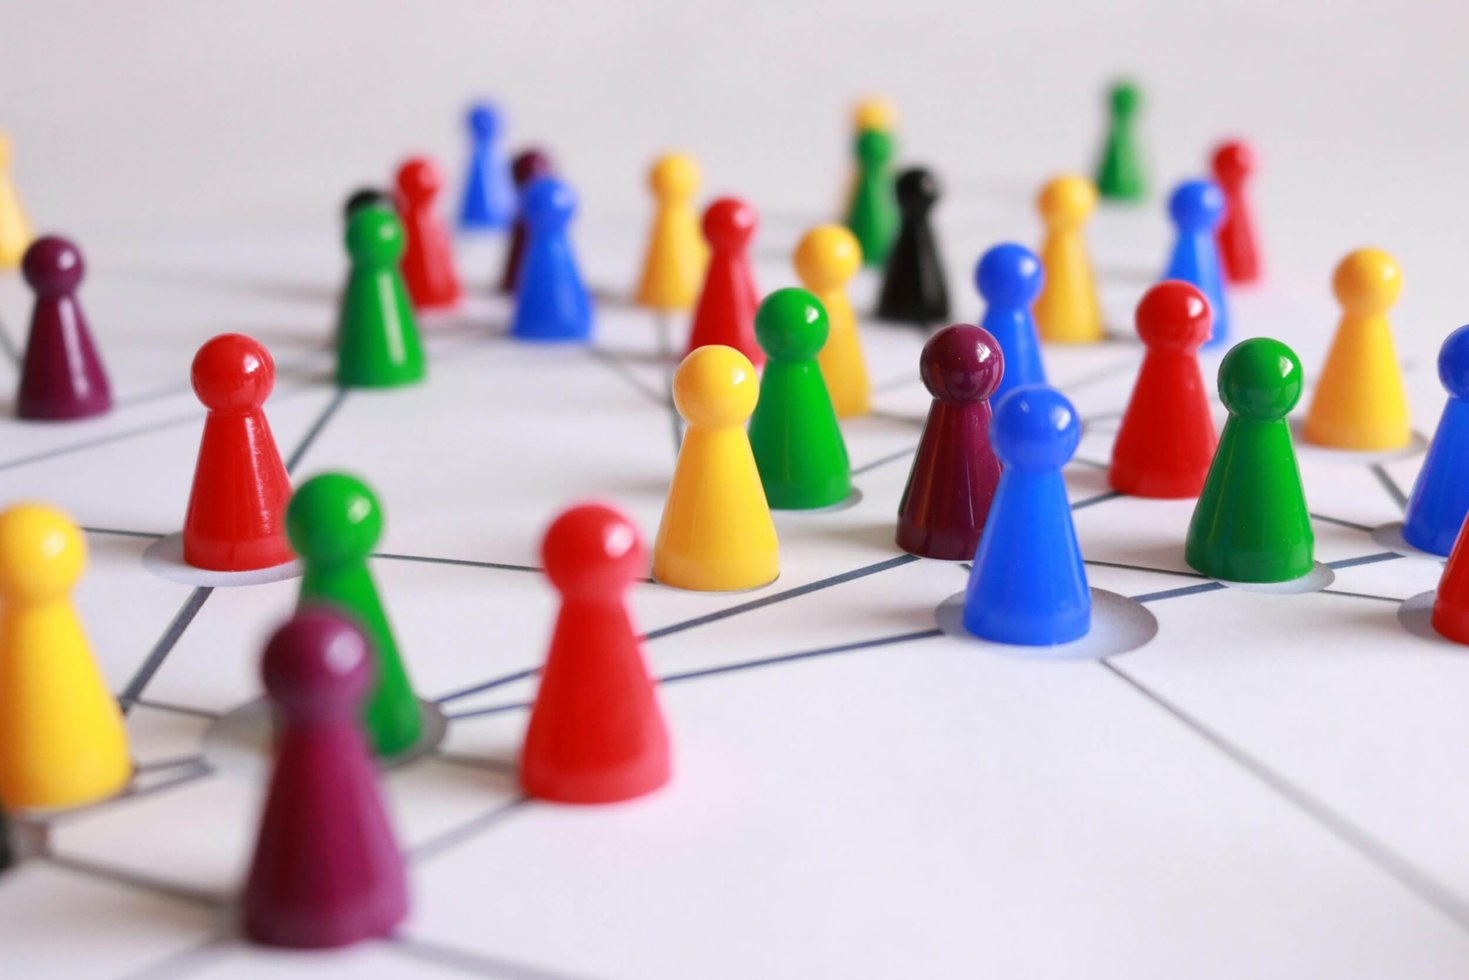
(489, 193)
(552, 302)
(1440, 498)
(1028, 585)
(1009, 278)
(1197, 208)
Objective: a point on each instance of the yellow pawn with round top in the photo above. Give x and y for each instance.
(826, 259)
(15, 231)
(1067, 310)
(673, 266)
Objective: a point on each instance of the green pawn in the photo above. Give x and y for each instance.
(794, 432)
(873, 216)
(1120, 175)
(377, 336)
(1251, 523)
(334, 522)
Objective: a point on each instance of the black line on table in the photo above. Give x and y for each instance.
(158, 765)
(1364, 560)
(1199, 589)
(883, 460)
(1101, 374)
(132, 792)
(1389, 484)
(458, 835)
(1341, 523)
(620, 368)
(124, 876)
(178, 709)
(663, 324)
(183, 962)
(503, 766)
(1362, 595)
(1089, 501)
(8, 346)
(475, 963)
(1140, 568)
(1090, 462)
(119, 533)
(464, 562)
(141, 430)
(316, 428)
(489, 685)
(164, 646)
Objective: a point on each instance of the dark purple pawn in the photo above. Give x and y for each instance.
(527, 166)
(326, 871)
(62, 375)
(955, 471)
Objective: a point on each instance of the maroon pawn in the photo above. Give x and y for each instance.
(1239, 250)
(953, 479)
(62, 376)
(527, 166)
(326, 870)
(428, 255)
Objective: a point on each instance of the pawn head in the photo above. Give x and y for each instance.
(1453, 363)
(483, 119)
(52, 265)
(1197, 205)
(333, 519)
(729, 224)
(715, 386)
(592, 550)
(791, 324)
(419, 179)
(1035, 428)
(827, 257)
(874, 112)
(1367, 282)
(1233, 161)
(1124, 97)
(316, 664)
(365, 197)
(528, 165)
(917, 189)
(1260, 379)
(1067, 201)
(874, 148)
(1009, 275)
(375, 236)
(961, 364)
(42, 553)
(233, 372)
(1174, 316)
(548, 204)
(674, 177)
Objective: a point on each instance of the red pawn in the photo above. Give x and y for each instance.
(428, 258)
(526, 168)
(726, 311)
(1238, 250)
(326, 870)
(237, 509)
(1167, 438)
(1451, 603)
(596, 732)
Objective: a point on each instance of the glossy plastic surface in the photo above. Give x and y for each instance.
(873, 213)
(1440, 498)
(1008, 277)
(428, 254)
(488, 200)
(1067, 311)
(551, 301)
(61, 375)
(673, 264)
(725, 313)
(1197, 208)
(914, 285)
(1233, 164)
(826, 259)
(377, 334)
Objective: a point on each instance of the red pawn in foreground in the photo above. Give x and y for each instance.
(1239, 251)
(528, 166)
(1167, 438)
(1451, 604)
(237, 509)
(726, 311)
(428, 258)
(326, 871)
(596, 731)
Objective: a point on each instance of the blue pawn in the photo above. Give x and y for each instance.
(552, 303)
(1009, 278)
(489, 193)
(1197, 208)
(1440, 498)
(1028, 585)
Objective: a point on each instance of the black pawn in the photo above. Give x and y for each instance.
(913, 286)
(365, 197)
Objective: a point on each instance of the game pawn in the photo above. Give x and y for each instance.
(333, 522)
(1359, 403)
(955, 470)
(377, 334)
(826, 259)
(366, 197)
(1067, 311)
(873, 216)
(61, 375)
(326, 870)
(872, 114)
(1239, 248)
(529, 166)
(62, 740)
(236, 517)
(1166, 442)
(1439, 502)
(15, 229)
(551, 301)
(725, 313)
(596, 731)
(716, 534)
(914, 289)
(1028, 585)
(1450, 616)
(1121, 175)
(1008, 277)
(488, 201)
(673, 264)
(428, 255)
(1251, 522)
(1197, 207)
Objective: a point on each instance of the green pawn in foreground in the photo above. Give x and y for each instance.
(873, 217)
(377, 335)
(794, 432)
(334, 522)
(1121, 175)
(1251, 523)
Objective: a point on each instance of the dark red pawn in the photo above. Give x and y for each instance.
(1239, 250)
(1167, 438)
(62, 376)
(326, 870)
(237, 509)
(596, 732)
(953, 479)
(428, 257)
(527, 166)
(1451, 603)
(726, 310)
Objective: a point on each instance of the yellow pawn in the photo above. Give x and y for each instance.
(716, 534)
(1359, 402)
(15, 230)
(1067, 310)
(62, 741)
(826, 259)
(673, 266)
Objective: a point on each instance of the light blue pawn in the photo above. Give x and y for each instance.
(1009, 278)
(1197, 208)
(489, 193)
(1440, 498)
(1028, 585)
(552, 303)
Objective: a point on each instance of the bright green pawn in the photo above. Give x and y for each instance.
(1251, 523)
(794, 432)
(334, 522)
(1121, 175)
(377, 336)
(873, 217)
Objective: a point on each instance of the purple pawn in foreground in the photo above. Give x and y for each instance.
(62, 375)
(326, 871)
(529, 164)
(955, 470)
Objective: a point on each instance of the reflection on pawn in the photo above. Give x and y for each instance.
(377, 334)
(1440, 498)
(61, 376)
(725, 313)
(914, 287)
(826, 259)
(1008, 277)
(551, 301)
(673, 265)
(1197, 207)
(1028, 585)
(1067, 310)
